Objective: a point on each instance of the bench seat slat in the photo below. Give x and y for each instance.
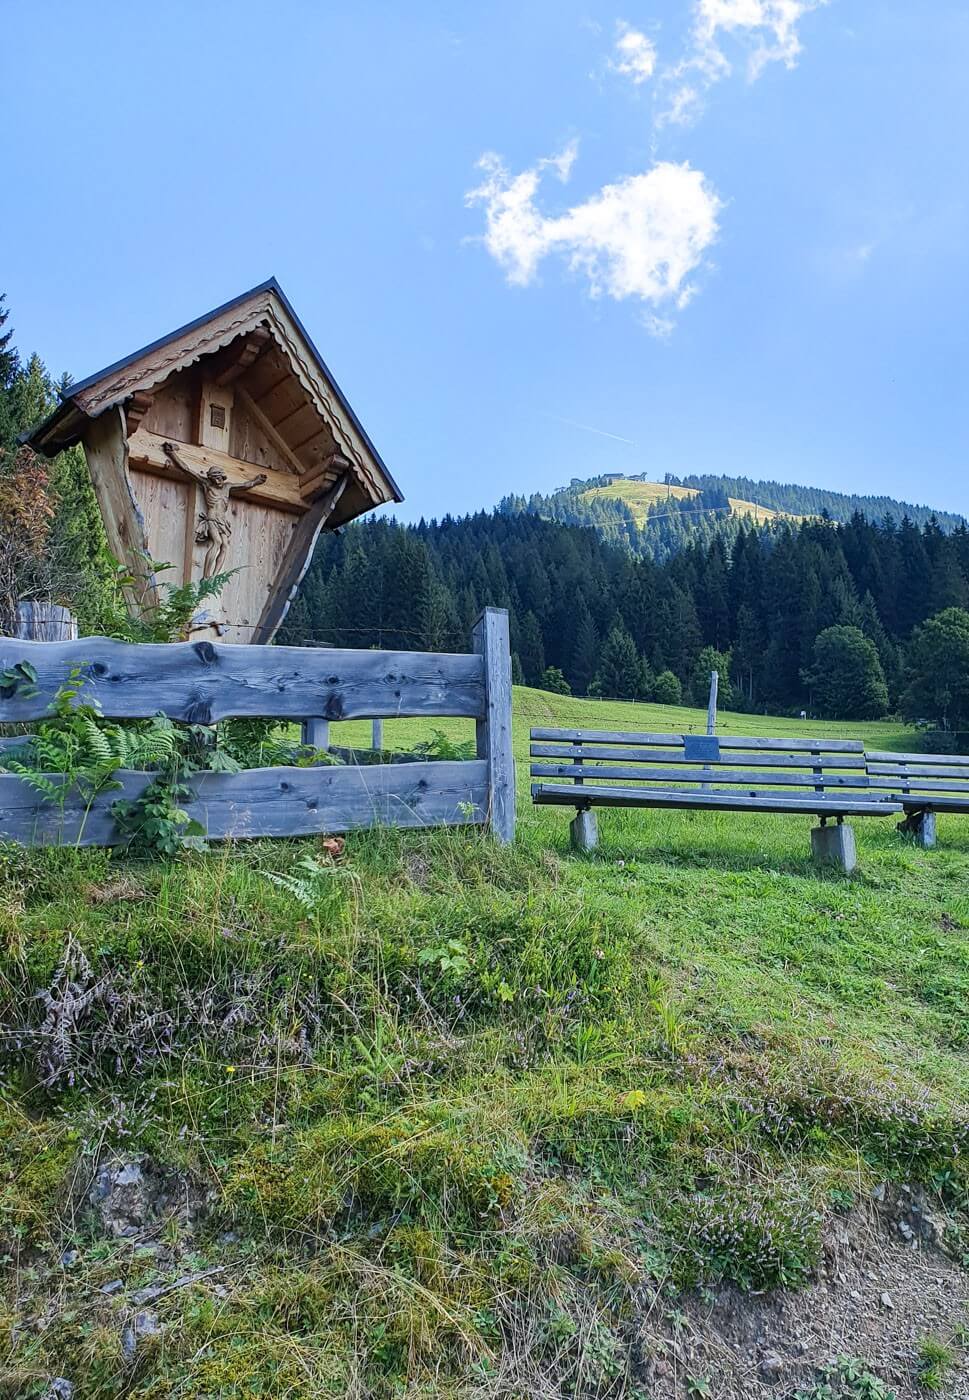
(937, 801)
(560, 794)
(732, 741)
(713, 773)
(630, 755)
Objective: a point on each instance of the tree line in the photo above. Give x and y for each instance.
(52, 542)
(850, 620)
(672, 523)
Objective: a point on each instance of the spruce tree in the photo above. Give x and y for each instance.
(620, 673)
(585, 645)
(9, 366)
(531, 650)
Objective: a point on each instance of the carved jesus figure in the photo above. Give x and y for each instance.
(215, 527)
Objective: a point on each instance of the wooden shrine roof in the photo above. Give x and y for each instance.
(258, 343)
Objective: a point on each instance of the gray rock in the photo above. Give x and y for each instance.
(60, 1389)
(115, 1286)
(69, 1258)
(771, 1368)
(886, 1302)
(146, 1324)
(133, 1195)
(129, 1344)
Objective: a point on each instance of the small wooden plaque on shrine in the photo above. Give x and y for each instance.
(225, 446)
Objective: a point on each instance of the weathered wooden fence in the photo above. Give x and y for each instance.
(202, 682)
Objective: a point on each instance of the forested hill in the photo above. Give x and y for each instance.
(813, 500)
(659, 518)
(597, 619)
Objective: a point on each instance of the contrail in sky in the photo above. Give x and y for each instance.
(587, 428)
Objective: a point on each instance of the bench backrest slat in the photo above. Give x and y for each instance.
(917, 770)
(591, 758)
(920, 775)
(919, 785)
(648, 773)
(780, 759)
(755, 742)
(928, 759)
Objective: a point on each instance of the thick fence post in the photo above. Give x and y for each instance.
(45, 622)
(490, 641)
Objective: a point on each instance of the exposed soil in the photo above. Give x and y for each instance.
(877, 1295)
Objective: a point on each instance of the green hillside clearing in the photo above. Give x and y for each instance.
(641, 496)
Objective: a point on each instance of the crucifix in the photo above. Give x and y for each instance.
(215, 527)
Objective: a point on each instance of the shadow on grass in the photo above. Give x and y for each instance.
(726, 858)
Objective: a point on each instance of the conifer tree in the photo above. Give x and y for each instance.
(585, 646)
(620, 673)
(531, 650)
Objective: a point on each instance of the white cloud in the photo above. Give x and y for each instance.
(770, 25)
(635, 54)
(641, 238)
(767, 29)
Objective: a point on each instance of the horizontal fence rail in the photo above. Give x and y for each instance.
(266, 802)
(203, 682)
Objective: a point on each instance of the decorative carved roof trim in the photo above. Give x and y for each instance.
(324, 400)
(267, 308)
(149, 371)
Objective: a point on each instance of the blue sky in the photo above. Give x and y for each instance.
(756, 264)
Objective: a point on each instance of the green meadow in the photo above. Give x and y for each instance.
(439, 1116)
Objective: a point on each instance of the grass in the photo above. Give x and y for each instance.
(447, 1114)
(639, 496)
(534, 708)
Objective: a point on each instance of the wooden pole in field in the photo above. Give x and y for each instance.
(711, 714)
(712, 703)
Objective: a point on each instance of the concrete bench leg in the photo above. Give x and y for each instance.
(834, 846)
(584, 831)
(921, 825)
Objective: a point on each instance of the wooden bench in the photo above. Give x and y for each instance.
(827, 778)
(923, 783)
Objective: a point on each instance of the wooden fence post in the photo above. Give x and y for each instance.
(377, 734)
(316, 733)
(45, 622)
(493, 731)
